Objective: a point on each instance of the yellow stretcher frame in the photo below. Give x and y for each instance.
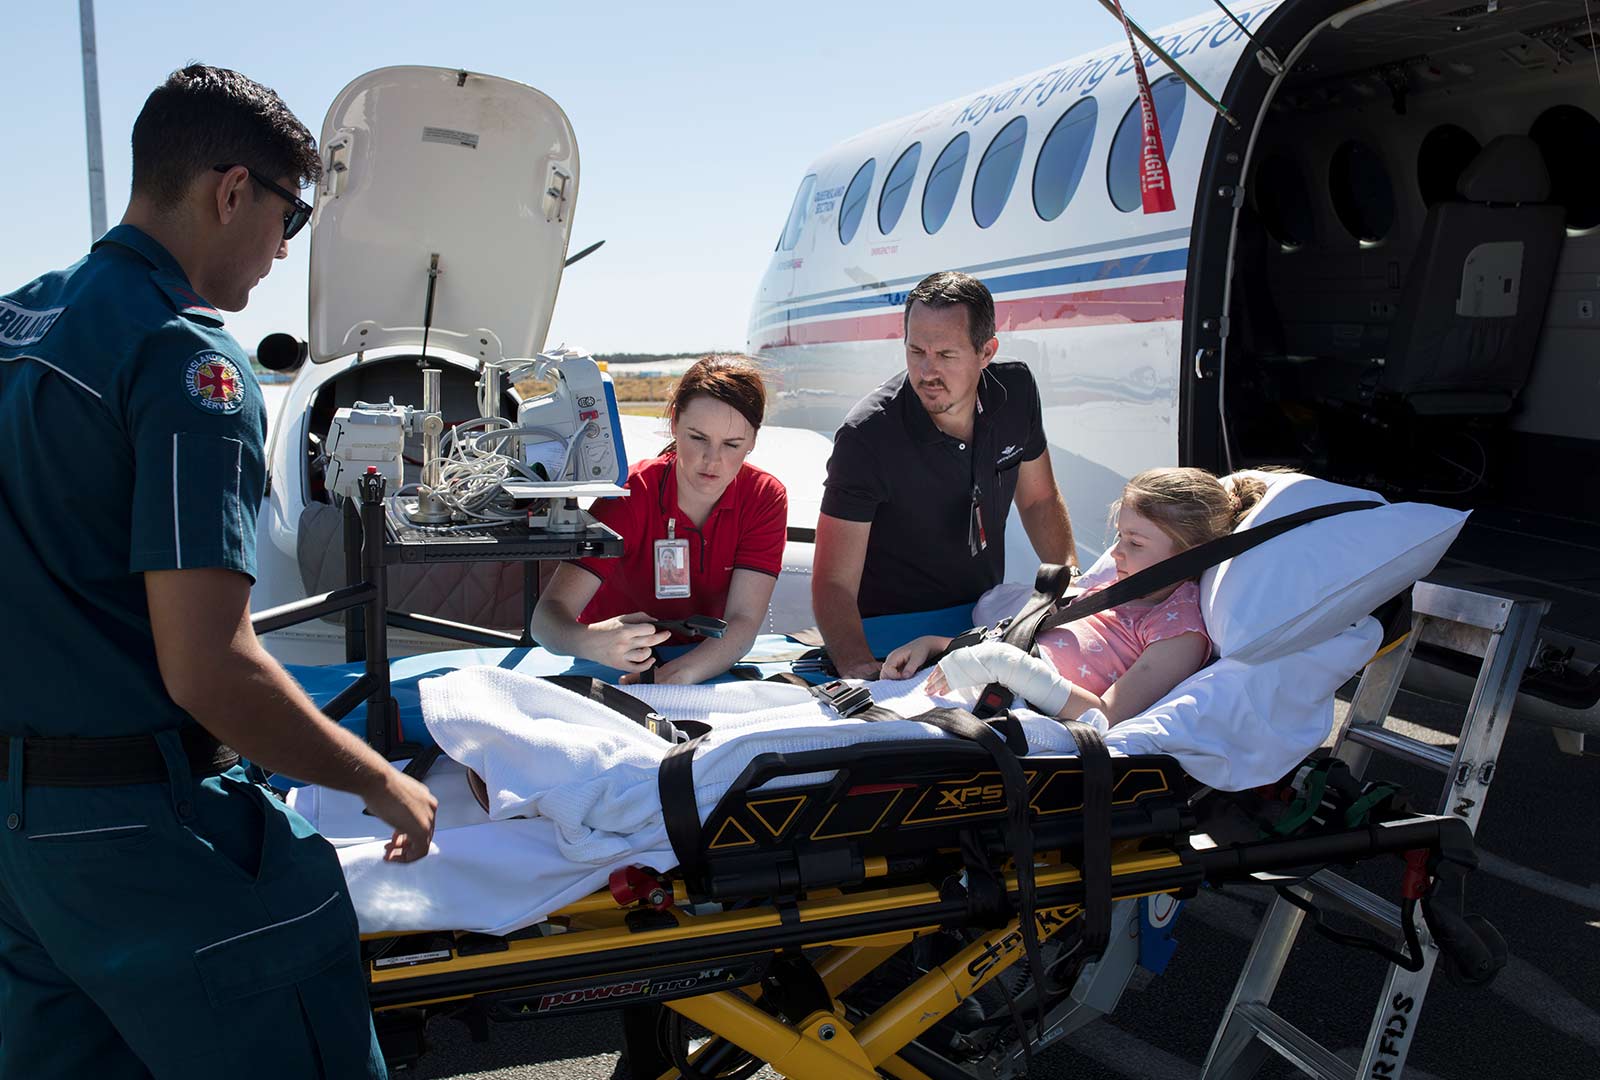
(829, 940)
(825, 1044)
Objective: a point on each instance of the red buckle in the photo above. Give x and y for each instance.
(636, 885)
(1414, 886)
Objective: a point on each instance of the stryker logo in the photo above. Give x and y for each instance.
(967, 797)
(23, 326)
(1046, 920)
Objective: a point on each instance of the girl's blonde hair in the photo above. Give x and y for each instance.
(1190, 505)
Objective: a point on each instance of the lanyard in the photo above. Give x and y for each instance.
(977, 535)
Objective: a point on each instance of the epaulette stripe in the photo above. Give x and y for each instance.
(65, 375)
(177, 528)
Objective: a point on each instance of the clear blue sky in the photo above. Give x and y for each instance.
(695, 121)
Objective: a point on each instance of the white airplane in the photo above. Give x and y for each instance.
(1321, 296)
(1324, 295)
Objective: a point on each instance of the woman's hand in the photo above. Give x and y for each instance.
(913, 656)
(624, 642)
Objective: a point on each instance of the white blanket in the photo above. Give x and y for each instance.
(587, 778)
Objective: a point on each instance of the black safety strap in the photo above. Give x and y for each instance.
(1095, 866)
(1190, 564)
(851, 701)
(620, 701)
(679, 809)
(1019, 829)
(1043, 612)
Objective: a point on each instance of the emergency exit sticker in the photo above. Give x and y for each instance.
(450, 137)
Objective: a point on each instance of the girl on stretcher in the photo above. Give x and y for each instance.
(1124, 659)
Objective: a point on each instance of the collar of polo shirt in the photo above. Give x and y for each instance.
(991, 394)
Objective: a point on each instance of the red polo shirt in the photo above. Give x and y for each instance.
(745, 531)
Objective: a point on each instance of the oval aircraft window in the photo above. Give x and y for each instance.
(943, 180)
(897, 188)
(1122, 168)
(997, 172)
(855, 201)
(799, 214)
(1444, 153)
(1283, 202)
(1569, 138)
(1062, 159)
(1363, 198)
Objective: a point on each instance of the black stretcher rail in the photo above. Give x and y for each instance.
(646, 950)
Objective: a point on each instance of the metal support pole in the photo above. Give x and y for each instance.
(355, 638)
(382, 714)
(91, 122)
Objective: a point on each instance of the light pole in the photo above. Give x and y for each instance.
(91, 122)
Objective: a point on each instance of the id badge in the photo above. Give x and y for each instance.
(672, 566)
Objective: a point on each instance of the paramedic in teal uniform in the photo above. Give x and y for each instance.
(159, 915)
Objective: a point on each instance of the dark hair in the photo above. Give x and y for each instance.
(204, 116)
(733, 380)
(949, 287)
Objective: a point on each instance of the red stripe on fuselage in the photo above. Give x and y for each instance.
(1155, 302)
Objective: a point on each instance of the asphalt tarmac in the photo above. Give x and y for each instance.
(1540, 886)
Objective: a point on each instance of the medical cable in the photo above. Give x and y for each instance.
(474, 468)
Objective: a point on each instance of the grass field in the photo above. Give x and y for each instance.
(637, 395)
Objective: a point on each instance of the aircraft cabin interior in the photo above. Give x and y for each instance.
(1415, 280)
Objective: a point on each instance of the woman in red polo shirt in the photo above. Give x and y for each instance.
(702, 534)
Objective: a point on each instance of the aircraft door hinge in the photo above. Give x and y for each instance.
(336, 166)
(555, 193)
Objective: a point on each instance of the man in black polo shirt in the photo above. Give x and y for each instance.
(924, 472)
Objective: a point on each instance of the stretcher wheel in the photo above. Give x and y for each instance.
(642, 1033)
(648, 1032)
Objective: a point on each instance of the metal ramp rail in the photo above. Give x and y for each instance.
(1503, 631)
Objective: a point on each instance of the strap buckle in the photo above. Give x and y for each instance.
(844, 699)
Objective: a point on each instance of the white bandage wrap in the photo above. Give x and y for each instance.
(996, 662)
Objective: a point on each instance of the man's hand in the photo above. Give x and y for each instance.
(624, 642)
(913, 656)
(215, 669)
(862, 669)
(407, 806)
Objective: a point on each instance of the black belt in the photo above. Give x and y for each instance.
(71, 761)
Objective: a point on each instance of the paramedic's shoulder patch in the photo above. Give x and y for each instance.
(213, 383)
(185, 301)
(20, 326)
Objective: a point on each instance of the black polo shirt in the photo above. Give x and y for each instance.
(893, 467)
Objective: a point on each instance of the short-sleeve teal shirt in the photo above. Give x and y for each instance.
(131, 434)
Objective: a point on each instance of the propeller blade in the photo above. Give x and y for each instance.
(585, 253)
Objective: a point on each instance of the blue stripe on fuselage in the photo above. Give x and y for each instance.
(1155, 262)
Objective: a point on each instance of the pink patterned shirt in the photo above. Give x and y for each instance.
(1095, 652)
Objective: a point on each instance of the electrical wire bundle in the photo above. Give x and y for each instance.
(473, 467)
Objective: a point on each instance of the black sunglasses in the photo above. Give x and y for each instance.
(294, 218)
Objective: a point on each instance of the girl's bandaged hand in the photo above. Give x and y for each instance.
(996, 662)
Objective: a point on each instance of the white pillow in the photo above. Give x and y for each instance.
(1234, 725)
(1311, 583)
